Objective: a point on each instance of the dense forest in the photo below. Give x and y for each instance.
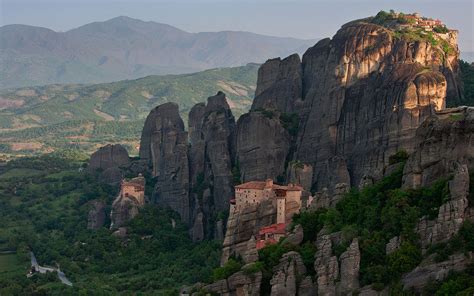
(44, 209)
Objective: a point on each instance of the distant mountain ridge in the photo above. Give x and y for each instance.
(126, 48)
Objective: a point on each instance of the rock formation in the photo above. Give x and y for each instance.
(244, 224)
(286, 275)
(262, 146)
(279, 85)
(331, 121)
(109, 156)
(164, 146)
(237, 284)
(359, 98)
(326, 266)
(108, 162)
(96, 216)
(428, 270)
(441, 142)
(350, 265)
(129, 200)
(211, 156)
(451, 215)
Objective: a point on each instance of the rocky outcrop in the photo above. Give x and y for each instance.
(441, 141)
(326, 266)
(262, 146)
(123, 210)
(212, 154)
(428, 270)
(279, 85)
(444, 147)
(451, 215)
(359, 98)
(96, 215)
(108, 162)
(128, 202)
(324, 199)
(350, 265)
(109, 156)
(239, 283)
(392, 245)
(295, 237)
(336, 276)
(300, 173)
(164, 147)
(286, 275)
(244, 224)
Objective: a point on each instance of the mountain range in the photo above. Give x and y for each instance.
(126, 48)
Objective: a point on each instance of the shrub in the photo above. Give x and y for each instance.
(229, 268)
(441, 29)
(399, 156)
(407, 257)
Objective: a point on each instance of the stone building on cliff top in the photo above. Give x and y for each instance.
(287, 201)
(130, 198)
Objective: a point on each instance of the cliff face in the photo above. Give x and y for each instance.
(164, 146)
(212, 139)
(108, 162)
(262, 146)
(359, 98)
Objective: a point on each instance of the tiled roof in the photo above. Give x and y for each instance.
(274, 228)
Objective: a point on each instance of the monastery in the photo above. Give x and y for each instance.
(287, 201)
(130, 198)
(133, 189)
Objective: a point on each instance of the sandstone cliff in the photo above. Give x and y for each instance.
(359, 98)
(108, 162)
(211, 156)
(164, 146)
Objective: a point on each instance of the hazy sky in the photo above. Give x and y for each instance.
(294, 18)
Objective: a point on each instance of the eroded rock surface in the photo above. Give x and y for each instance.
(262, 146)
(244, 224)
(164, 146)
(431, 271)
(96, 215)
(441, 141)
(286, 275)
(108, 162)
(212, 155)
(359, 98)
(237, 284)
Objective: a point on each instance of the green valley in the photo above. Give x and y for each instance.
(45, 118)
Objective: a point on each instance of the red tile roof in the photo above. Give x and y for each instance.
(274, 228)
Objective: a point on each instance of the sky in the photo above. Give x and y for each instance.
(287, 18)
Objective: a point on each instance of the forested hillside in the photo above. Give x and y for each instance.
(45, 118)
(44, 206)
